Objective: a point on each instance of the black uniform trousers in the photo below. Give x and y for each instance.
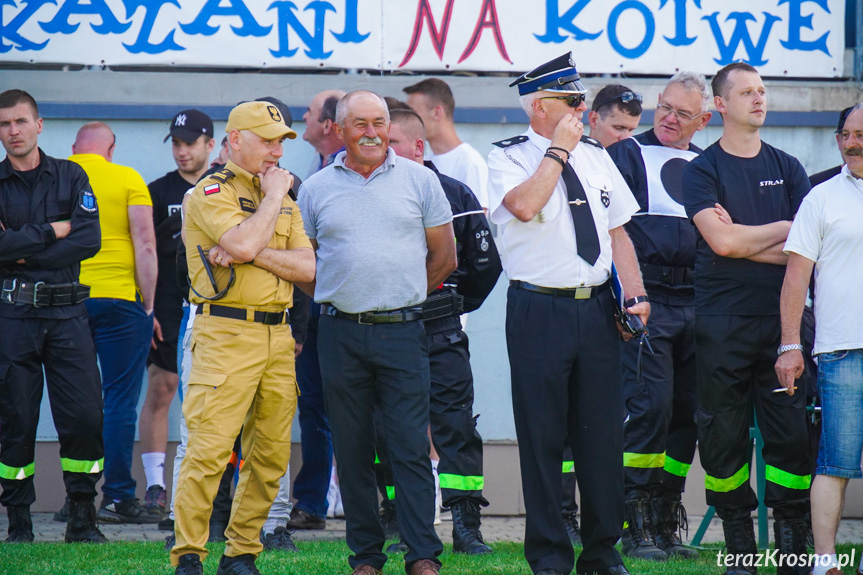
(385, 364)
(564, 357)
(735, 357)
(659, 435)
(64, 347)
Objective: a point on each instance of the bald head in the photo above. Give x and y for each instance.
(95, 138)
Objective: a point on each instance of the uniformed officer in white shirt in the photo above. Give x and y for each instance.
(561, 204)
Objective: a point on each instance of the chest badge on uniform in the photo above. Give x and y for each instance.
(88, 202)
(482, 240)
(606, 201)
(212, 189)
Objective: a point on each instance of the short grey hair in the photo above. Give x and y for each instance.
(342, 106)
(527, 101)
(692, 82)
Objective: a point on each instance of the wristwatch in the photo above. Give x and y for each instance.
(788, 347)
(635, 300)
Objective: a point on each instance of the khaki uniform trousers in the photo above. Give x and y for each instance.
(242, 377)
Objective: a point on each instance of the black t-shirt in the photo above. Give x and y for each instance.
(755, 191)
(167, 193)
(29, 176)
(660, 240)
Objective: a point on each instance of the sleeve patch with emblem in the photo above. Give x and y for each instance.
(247, 205)
(212, 189)
(88, 201)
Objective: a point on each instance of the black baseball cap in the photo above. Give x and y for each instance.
(843, 115)
(188, 125)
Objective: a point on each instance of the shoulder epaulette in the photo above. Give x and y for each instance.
(591, 141)
(222, 175)
(511, 141)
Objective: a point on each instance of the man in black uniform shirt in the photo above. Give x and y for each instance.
(49, 222)
(453, 427)
(742, 194)
(659, 389)
(191, 136)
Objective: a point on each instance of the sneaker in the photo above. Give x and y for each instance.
(389, 520)
(572, 528)
(334, 499)
(156, 501)
(278, 540)
(398, 547)
(302, 520)
(190, 564)
(166, 524)
(62, 516)
(239, 565)
(170, 541)
(129, 511)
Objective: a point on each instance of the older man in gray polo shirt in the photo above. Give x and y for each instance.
(382, 229)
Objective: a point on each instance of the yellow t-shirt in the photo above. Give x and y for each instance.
(111, 272)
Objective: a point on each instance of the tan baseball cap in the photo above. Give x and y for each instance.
(262, 118)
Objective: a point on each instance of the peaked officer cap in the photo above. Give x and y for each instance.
(557, 75)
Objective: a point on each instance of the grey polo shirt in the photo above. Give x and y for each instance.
(371, 232)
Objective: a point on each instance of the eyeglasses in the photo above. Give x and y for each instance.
(624, 97)
(663, 110)
(572, 100)
(845, 135)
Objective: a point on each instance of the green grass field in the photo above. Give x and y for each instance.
(315, 558)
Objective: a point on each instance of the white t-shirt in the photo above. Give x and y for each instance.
(828, 231)
(465, 164)
(543, 250)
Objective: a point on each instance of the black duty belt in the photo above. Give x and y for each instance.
(403, 315)
(40, 294)
(571, 293)
(264, 317)
(667, 275)
(446, 303)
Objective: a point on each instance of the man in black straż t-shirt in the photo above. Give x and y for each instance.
(191, 136)
(742, 194)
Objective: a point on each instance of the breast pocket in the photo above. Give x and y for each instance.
(16, 216)
(57, 211)
(283, 232)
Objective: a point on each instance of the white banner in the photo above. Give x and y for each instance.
(794, 38)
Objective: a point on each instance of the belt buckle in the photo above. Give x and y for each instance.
(36, 287)
(583, 293)
(360, 318)
(9, 292)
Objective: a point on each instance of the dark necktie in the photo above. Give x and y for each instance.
(586, 239)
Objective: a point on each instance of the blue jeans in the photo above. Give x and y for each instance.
(840, 385)
(180, 351)
(313, 480)
(122, 333)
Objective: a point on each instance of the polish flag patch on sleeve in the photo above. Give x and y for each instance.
(211, 189)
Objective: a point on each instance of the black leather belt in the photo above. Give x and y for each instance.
(403, 315)
(264, 317)
(572, 293)
(446, 303)
(40, 294)
(667, 275)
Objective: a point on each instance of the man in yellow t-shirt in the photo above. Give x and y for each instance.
(123, 280)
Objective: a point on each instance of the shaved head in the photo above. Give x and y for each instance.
(95, 138)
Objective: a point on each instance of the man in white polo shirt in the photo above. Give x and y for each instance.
(826, 235)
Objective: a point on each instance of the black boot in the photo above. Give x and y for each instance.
(670, 519)
(791, 539)
(20, 524)
(466, 537)
(639, 535)
(570, 521)
(740, 545)
(82, 526)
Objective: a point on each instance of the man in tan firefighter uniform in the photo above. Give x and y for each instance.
(243, 222)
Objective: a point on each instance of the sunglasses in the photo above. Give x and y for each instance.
(624, 97)
(572, 100)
